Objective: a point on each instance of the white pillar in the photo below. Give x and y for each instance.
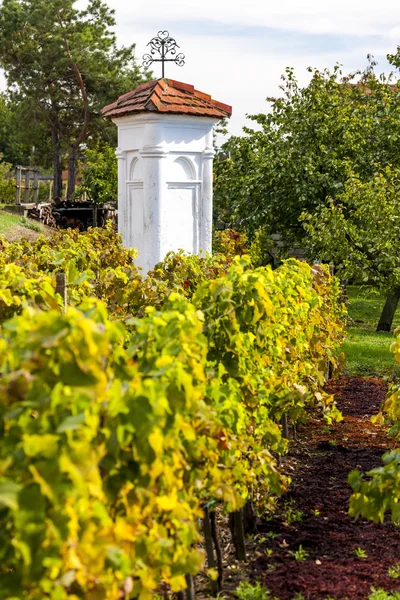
(154, 194)
(122, 213)
(207, 197)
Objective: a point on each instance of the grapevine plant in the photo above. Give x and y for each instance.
(96, 264)
(379, 493)
(127, 415)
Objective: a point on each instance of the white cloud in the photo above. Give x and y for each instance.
(242, 67)
(230, 56)
(356, 17)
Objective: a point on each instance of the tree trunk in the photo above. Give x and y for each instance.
(388, 311)
(71, 172)
(85, 126)
(57, 187)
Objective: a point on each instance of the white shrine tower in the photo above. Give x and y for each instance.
(165, 175)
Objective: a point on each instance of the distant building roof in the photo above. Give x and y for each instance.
(167, 96)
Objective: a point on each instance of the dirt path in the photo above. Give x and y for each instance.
(319, 467)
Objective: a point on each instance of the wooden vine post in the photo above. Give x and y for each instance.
(208, 539)
(189, 593)
(285, 426)
(61, 288)
(238, 537)
(217, 545)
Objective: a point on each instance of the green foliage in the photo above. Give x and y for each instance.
(379, 494)
(291, 513)
(18, 290)
(29, 224)
(300, 554)
(251, 332)
(103, 516)
(394, 571)
(183, 273)
(230, 242)
(9, 220)
(7, 183)
(360, 552)
(234, 243)
(63, 63)
(249, 591)
(99, 174)
(382, 595)
(261, 248)
(358, 229)
(304, 147)
(117, 428)
(96, 263)
(12, 145)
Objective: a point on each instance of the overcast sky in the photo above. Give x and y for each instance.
(237, 51)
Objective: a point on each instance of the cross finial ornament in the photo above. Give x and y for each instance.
(163, 45)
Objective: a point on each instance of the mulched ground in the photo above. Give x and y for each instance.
(319, 465)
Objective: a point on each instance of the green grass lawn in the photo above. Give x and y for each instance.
(367, 352)
(9, 220)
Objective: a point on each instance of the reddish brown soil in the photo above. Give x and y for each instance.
(319, 466)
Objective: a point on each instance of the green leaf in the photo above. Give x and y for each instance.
(9, 494)
(72, 423)
(354, 480)
(71, 374)
(46, 445)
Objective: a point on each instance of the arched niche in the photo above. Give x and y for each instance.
(182, 169)
(135, 169)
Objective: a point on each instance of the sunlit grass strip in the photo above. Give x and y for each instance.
(367, 352)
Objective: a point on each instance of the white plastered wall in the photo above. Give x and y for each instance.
(165, 184)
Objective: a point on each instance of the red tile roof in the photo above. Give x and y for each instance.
(167, 96)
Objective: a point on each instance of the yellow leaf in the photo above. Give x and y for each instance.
(177, 583)
(156, 441)
(167, 502)
(378, 419)
(213, 574)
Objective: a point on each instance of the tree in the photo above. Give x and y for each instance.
(100, 174)
(301, 155)
(359, 231)
(7, 183)
(64, 63)
(13, 146)
(24, 139)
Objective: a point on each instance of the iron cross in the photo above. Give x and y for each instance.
(163, 45)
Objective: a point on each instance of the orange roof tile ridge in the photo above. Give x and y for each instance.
(202, 95)
(222, 106)
(162, 83)
(155, 99)
(167, 95)
(144, 86)
(181, 86)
